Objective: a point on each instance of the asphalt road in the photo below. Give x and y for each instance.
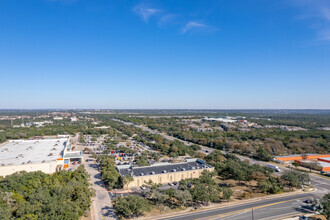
(101, 203)
(263, 209)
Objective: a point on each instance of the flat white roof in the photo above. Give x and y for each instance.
(323, 164)
(325, 158)
(18, 152)
(320, 163)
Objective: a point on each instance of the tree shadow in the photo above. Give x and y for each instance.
(304, 209)
(108, 211)
(97, 176)
(94, 166)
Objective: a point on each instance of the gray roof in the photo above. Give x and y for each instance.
(191, 164)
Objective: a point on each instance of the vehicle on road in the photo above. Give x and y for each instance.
(308, 201)
(143, 187)
(170, 184)
(276, 168)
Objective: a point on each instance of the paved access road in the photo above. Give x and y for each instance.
(101, 204)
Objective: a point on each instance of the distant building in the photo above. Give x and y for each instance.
(74, 118)
(315, 164)
(301, 157)
(162, 173)
(225, 120)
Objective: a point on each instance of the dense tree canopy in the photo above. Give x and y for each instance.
(36, 195)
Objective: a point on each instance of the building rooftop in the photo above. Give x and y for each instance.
(324, 158)
(319, 163)
(323, 164)
(300, 155)
(18, 152)
(160, 168)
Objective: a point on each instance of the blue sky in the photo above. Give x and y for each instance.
(223, 54)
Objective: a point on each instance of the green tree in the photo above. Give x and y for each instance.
(227, 193)
(131, 206)
(126, 180)
(324, 206)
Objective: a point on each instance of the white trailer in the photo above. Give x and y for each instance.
(271, 166)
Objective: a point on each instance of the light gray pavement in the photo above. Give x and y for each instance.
(268, 208)
(101, 204)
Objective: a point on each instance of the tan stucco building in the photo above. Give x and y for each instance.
(162, 173)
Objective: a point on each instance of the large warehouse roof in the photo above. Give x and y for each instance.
(161, 168)
(17, 152)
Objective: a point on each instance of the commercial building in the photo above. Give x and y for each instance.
(315, 164)
(324, 159)
(47, 155)
(162, 173)
(300, 157)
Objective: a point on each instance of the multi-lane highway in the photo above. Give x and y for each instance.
(272, 208)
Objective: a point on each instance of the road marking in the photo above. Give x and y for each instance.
(213, 217)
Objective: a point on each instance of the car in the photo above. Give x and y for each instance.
(143, 187)
(175, 183)
(170, 184)
(70, 169)
(308, 201)
(206, 151)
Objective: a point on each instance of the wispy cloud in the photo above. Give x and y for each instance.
(326, 13)
(168, 18)
(145, 12)
(193, 26)
(182, 22)
(318, 11)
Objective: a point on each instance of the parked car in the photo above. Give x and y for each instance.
(170, 184)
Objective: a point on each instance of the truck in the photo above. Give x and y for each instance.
(271, 166)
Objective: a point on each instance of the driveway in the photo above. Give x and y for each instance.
(101, 204)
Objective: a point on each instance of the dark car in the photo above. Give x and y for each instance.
(308, 201)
